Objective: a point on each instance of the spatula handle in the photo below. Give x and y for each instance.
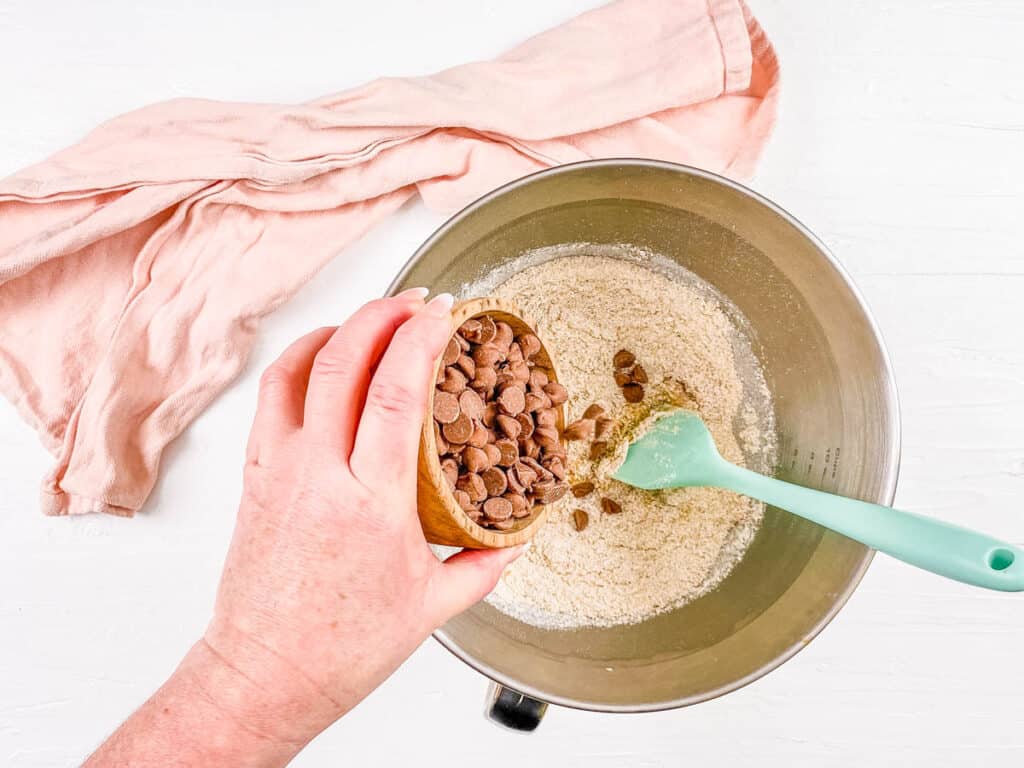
(949, 550)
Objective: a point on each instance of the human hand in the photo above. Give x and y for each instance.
(329, 584)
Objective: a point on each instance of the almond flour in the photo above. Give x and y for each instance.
(616, 554)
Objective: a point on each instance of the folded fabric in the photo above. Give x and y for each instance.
(135, 266)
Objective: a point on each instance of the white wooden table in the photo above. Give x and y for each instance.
(900, 142)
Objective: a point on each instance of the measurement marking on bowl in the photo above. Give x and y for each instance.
(804, 463)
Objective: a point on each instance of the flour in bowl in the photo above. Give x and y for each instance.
(664, 548)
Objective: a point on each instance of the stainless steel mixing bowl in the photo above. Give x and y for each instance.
(835, 407)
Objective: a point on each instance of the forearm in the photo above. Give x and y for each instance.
(208, 713)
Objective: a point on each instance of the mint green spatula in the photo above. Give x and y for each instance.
(679, 452)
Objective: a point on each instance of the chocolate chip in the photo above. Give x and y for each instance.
(603, 427)
(498, 509)
(451, 352)
(480, 436)
(536, 401)
(472, 484)
(538, 379)
(521, 477)
(503, 379)
(486, 356)
(503, 336)
(442, 444)
(582, 489)
(546, 437)
(556, 392)
(555, 466)
(484, 380)
(454, 380)
(509, 425)
(549, 491)
(490, 414)
(633, 393)
(530, 447)
(506, 380)
(526, 425)
(509, 452)
(597, 449)
(556, 450)
(520, 506)
(594, 411)
(474, 459)
(450, 470)
(471, 404)
(622, 378)
(463, 344)
(580, 519)
(581, 429)
(546, 417)
(488, 330)
(537, 467)
(493, 454)
(520, 371)
(467, 366)
(514, 484)
(458, 431)
(511, 400)
(639, 374)
(529, 344)
(503, 525)
(515, 353)
(469, 329)
(463, 500)
(495, 481)
(610, 507)
(623, 359)
(446, 407)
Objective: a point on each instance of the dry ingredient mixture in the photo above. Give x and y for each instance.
(633, 334)
(495, 424)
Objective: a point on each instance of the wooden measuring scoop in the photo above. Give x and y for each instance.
(443, 520)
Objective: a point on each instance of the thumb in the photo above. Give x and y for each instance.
(467, 577)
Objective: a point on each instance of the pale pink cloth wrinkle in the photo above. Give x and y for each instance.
(135, 265)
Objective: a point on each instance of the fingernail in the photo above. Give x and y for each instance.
(440, 305)
(414, 293)
(514, 553)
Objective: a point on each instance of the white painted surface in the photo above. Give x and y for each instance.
(900, 142)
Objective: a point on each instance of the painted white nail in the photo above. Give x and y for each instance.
(514, 553)
(414, 293)
(440, 305)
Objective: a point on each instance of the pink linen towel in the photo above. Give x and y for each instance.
(135, 266)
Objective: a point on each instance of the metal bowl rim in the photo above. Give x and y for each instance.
(891, 466)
